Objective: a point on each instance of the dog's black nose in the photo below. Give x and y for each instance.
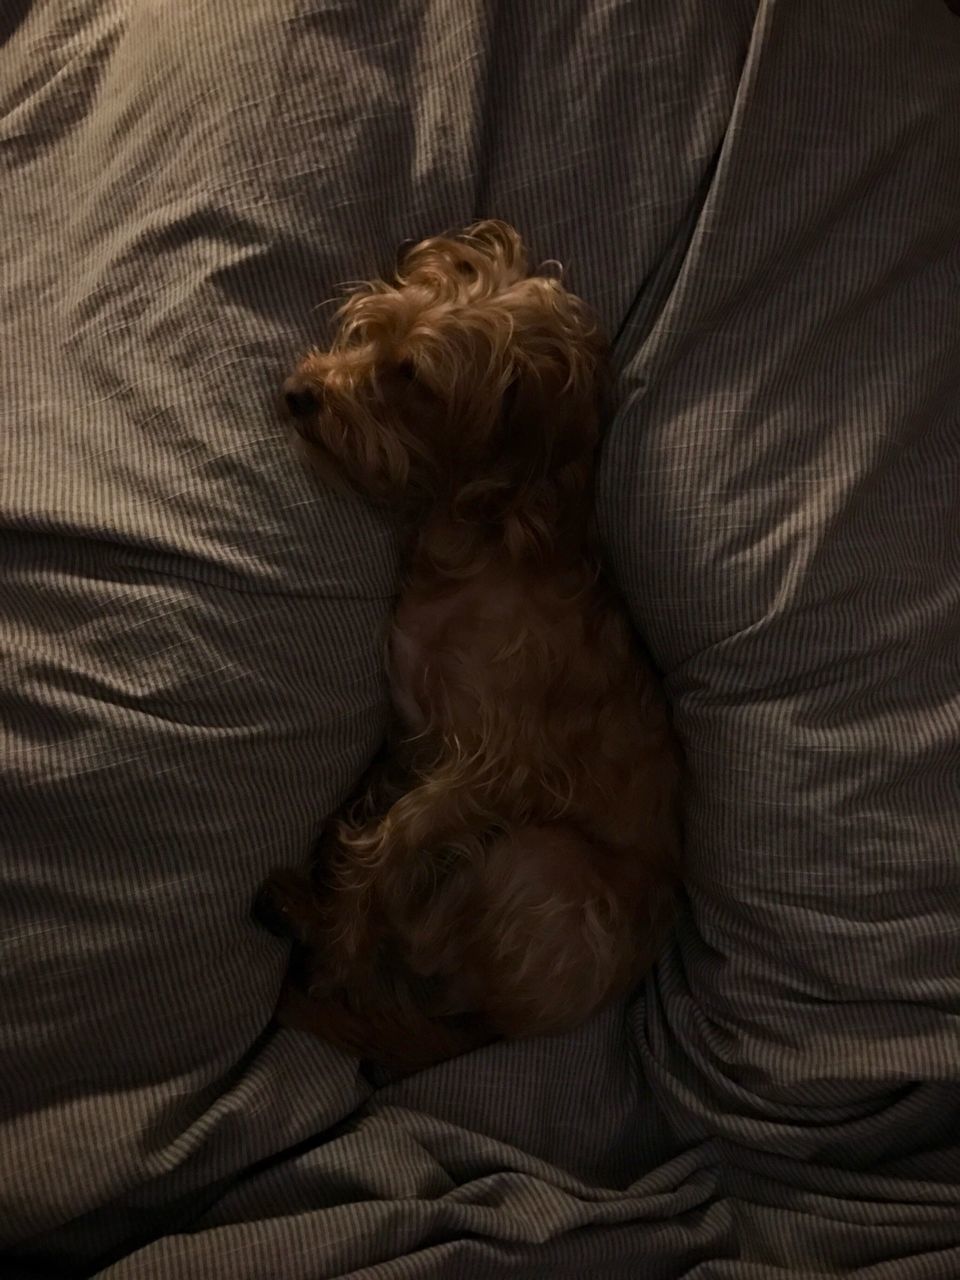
(300, 401)
(268, 912)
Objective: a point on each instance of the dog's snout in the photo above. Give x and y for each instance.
(299, 400)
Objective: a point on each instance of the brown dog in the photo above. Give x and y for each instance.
(508, 869)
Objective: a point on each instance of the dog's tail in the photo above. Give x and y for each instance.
(387, 1028)
(385, 1014)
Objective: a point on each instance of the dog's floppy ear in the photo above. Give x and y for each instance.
(550, 409)
(550, 414)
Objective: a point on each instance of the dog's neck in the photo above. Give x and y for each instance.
(453, 541)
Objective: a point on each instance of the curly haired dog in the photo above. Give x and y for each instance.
(509, 866)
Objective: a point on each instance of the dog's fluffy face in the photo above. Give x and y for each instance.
(465, 380)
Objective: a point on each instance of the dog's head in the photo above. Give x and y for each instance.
(466, 380)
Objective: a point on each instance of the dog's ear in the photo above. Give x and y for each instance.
(551, 407)
(550, 414)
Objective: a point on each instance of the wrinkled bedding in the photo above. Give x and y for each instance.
(763, 202)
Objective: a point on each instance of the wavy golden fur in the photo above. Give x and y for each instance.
(508, 867)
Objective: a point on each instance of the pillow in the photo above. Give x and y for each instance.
(780, 499)
(191, 628)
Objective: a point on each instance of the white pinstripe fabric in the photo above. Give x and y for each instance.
(763, 200)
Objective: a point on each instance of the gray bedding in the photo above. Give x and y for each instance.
(763, 201)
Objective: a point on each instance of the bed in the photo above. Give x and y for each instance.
(762, 200)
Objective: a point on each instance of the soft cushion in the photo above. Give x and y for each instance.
(762, 203)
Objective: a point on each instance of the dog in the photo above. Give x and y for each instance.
(510, 864)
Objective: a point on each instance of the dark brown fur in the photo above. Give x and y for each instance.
(508, 870)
